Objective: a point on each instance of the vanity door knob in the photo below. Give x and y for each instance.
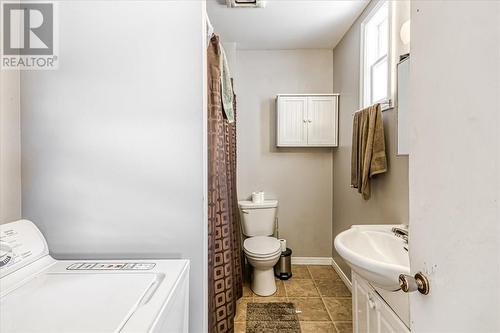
(419, 282)
(371, 303)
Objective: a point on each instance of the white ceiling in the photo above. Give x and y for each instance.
(285, 24)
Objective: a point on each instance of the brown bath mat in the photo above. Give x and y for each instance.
(272, 317)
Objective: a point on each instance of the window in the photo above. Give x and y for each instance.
(375, 56)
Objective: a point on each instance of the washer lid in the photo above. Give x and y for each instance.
(246, 204)
(74, 302)
(261, 245)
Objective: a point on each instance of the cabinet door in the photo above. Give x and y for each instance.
(360, 310)
(292, 121)
(370, 312)
(322, 121)
(373, 314)
(389, 321)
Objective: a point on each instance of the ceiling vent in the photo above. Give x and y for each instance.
(246, 3)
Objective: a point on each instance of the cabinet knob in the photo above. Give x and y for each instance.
(310, 121)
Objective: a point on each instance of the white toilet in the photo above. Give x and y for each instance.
(261, 249)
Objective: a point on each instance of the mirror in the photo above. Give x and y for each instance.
(403, 108)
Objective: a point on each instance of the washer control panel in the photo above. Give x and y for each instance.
(110, 266)
(21, 243)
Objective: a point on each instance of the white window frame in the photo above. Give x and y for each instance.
(363, 82)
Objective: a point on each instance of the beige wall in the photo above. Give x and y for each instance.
(301, 179)
(10, 147)
(389, 200)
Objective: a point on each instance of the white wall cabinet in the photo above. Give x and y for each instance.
(307, 120)
(370, 312)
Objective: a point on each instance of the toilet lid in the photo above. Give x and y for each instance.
(246, 204)
(261, 245)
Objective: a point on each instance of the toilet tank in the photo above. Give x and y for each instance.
(258, 219)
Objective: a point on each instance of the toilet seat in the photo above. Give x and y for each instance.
(262, 246)
(263, 257)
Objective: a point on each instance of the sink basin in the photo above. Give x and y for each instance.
(374, 253)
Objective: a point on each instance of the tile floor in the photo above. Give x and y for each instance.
(316, 291)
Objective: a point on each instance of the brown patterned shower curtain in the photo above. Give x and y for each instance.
(225, 270)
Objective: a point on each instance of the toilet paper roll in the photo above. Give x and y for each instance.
(283, 245)
(258, 197)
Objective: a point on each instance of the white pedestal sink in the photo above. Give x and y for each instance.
(375, 253)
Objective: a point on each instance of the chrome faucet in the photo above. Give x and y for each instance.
(401, 233)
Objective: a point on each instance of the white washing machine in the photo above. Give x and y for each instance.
(41, 294)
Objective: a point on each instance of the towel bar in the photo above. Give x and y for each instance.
(384, 106)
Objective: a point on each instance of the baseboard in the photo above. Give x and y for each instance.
(344, 278)
(311, 260)
(326, 261)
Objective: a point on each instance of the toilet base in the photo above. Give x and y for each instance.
(263, 283)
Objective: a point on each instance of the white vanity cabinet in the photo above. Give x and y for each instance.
(307, 120)
(370, 312)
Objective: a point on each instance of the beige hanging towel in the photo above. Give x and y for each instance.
(355, 157)
(368, 156)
